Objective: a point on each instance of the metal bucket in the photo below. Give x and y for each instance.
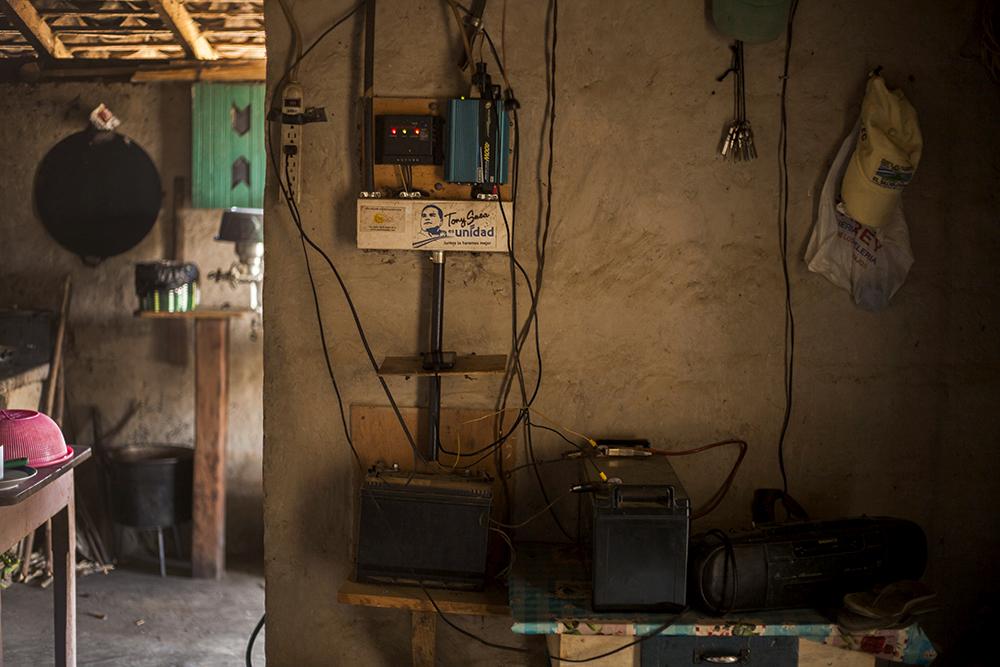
(151, 485)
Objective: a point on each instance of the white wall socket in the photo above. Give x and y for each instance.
(290, 165)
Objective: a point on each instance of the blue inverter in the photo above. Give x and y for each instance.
(478, 138)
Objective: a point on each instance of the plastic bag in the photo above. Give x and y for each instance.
(870, 263)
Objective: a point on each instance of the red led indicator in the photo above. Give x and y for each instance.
(416, 130)
(393, 130)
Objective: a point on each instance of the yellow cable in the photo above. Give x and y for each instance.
(591, 441)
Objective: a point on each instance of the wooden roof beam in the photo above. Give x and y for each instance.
(176, 17)
(25, 18)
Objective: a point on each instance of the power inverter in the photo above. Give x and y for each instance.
(419, 528)
(639, 534)
(803, 564)
(478, 138)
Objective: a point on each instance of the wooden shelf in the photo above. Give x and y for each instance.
(198, 314)
(470, 364)
(490, 602)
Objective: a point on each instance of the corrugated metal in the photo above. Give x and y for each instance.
(218, 146)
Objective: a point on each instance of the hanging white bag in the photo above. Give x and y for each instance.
(870, 263)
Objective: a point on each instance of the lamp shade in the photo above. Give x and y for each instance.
(241, 225)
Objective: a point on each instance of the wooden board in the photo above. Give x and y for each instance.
(579, 647)
(470, 364)
(426, 177)
(198, 314)
(379, 437)
(423, 635)
(491, 602)
(814, 654)
(208, 534)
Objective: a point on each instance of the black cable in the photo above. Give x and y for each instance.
(515, 368)
(368, 130)
(253, 639)
(534, 516)
(304, 237)
(783, 233)
(322, 336)
(316, 43)
(297, 220)
(728, 565)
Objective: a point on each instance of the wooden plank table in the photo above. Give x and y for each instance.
(49, 495)
(550, 594)
(423, 615)
(211, 397)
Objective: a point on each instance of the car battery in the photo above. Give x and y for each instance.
(423, 528)
(639, 533)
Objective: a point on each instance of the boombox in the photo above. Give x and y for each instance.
(806, 564)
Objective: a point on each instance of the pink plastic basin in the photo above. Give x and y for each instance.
(32, 435)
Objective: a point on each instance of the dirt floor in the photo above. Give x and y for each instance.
(135, 618)
(182, 622)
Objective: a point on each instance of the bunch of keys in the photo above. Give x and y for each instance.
(737, 142)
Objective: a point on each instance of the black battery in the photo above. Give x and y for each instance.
(639, 533)
(420, 528)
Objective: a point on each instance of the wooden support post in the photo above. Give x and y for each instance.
(423, 631)
(176, 17)
(25, 18)
(64, 588)
(211, 419)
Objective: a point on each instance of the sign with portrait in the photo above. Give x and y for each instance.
(422, 224)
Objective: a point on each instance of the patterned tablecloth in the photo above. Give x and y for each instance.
(549, 592)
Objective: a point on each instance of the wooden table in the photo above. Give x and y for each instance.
(211, 398)
(423, 616)
(49, 495)
(550, 594)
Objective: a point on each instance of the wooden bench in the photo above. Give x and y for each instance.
(423, 616)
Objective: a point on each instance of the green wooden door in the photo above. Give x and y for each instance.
(228, 161)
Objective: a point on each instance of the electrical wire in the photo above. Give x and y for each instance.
(783, 240)
(534, 516)
(293, 67)
(296, 34)
(253, 640)
(316, 42)
(717, 497)
(513, 552)
(296, 219)
(304, 237)
(532, 317)
(461, 30)
(326, 349)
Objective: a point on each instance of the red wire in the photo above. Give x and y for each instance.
(717, 497)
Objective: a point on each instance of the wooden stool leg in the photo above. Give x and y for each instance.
(423, 630)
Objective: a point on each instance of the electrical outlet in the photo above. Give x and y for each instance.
(292, 106)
